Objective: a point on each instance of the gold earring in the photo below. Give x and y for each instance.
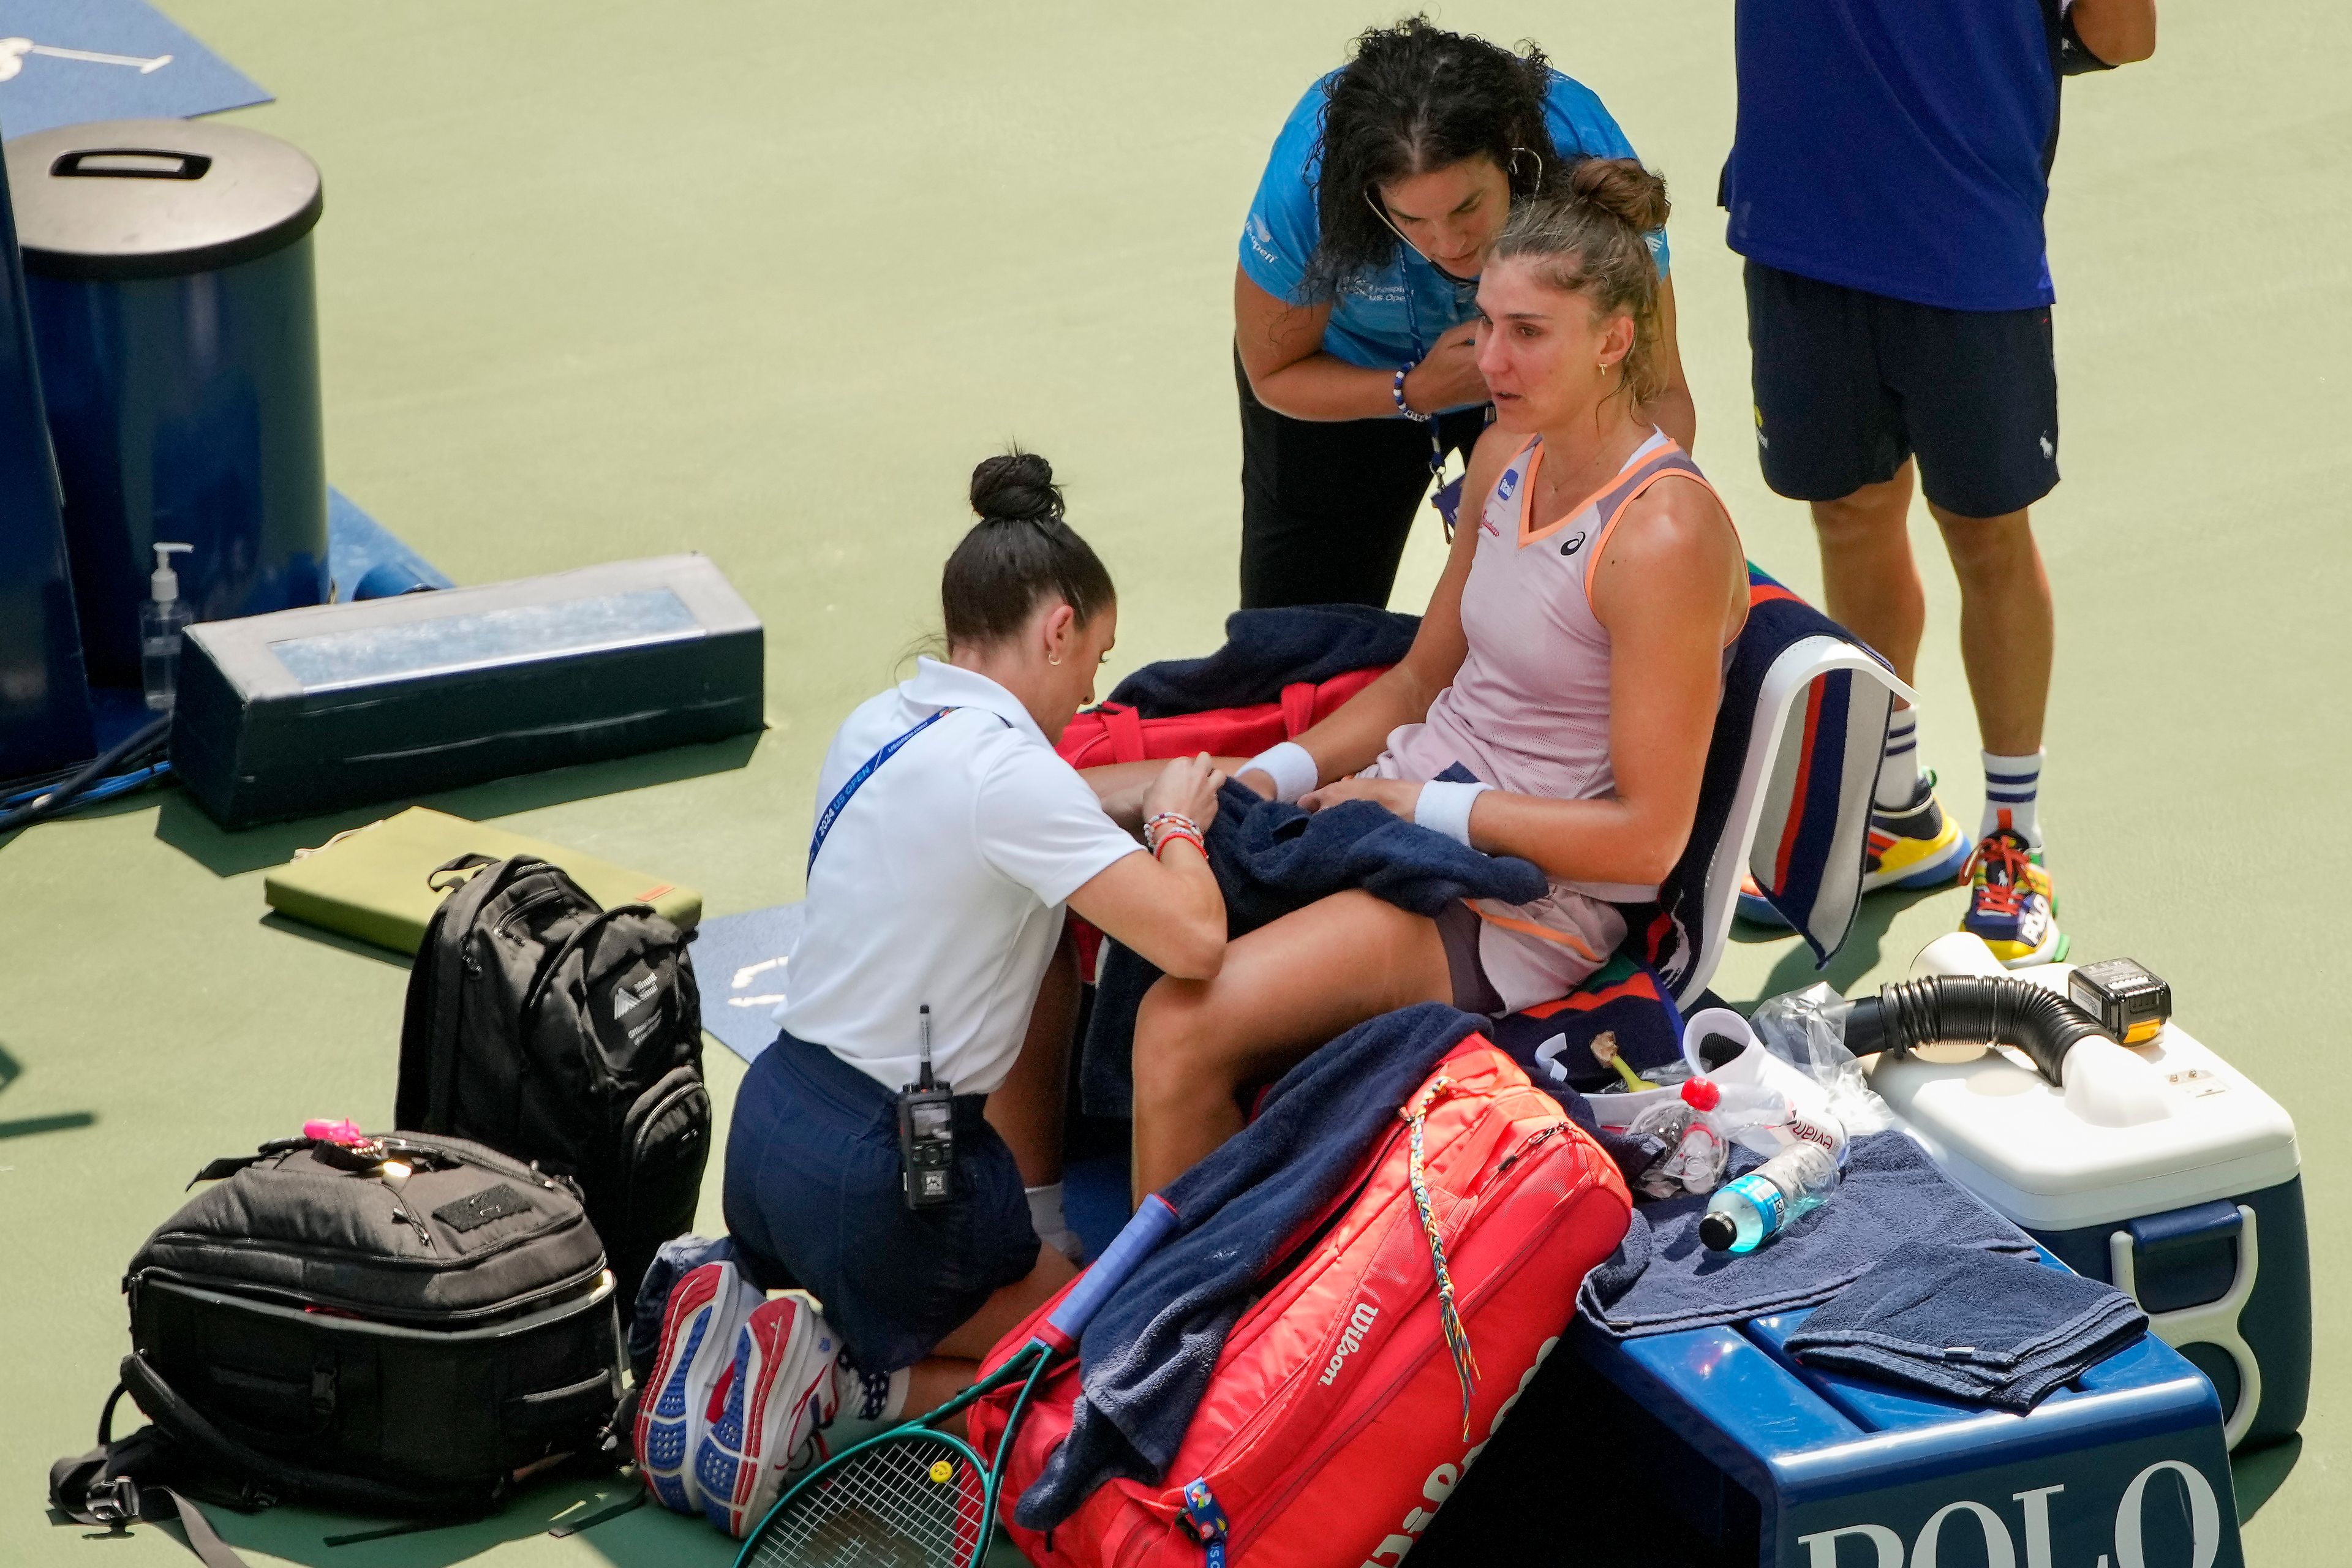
(1601, 369)
(1053, 658)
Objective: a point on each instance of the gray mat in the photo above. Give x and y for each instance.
(738, 962)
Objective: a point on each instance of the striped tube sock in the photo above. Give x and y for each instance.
(1900, 782)
(2012, 794)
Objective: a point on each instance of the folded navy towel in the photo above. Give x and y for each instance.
(1970, 1324)
(1662, 1279)
(1271, 858)
(1145, 1358)
(1267, 650)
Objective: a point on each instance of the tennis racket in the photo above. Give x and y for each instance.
(915, 1496)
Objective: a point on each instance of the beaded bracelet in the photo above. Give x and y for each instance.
(1396, 391)
(1177, 836)
(1162, 822)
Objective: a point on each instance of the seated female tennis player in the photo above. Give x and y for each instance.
(949, 839)
(1566, 675)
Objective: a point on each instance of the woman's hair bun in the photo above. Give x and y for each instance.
(1017, 486)
(1621, 188)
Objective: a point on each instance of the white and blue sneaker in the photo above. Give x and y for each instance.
(706, 1310)
(764, 1424)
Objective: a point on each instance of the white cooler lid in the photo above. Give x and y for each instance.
(2001, 1131)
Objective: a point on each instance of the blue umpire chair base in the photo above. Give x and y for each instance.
(1713, 1446)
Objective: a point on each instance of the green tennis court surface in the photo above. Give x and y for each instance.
(601, 280)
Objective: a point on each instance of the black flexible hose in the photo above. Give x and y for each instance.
(148, 737)
(1973, 1009)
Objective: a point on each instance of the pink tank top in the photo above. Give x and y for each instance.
(1529, 711)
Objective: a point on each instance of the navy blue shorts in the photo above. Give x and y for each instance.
(1849, 384)
(814, 1201)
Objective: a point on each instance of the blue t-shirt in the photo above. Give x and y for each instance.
(1899, 147)
(1393, 316)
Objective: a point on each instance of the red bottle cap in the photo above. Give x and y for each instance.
(1701, 1095)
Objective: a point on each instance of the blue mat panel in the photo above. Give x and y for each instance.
(357, 544)
(739, 963)
(149, 67)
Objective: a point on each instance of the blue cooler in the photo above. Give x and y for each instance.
(2188, 1197)
(168, 270)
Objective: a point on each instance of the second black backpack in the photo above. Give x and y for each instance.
(563, 1033)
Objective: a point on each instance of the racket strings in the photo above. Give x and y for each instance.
(914, 1502)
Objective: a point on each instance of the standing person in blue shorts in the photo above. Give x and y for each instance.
(1354, 298)
(1886, 185)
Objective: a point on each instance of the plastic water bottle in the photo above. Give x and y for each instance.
(1751, 1209)
(1764, 1118)
(1695, 1155)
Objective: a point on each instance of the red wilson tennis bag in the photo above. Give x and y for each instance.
(1333, 1425)
(1114, 732)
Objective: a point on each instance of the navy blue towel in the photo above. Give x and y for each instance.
(1271, 858)
(1662, 1279)
(1267, 650)
(1144, 1360)
(1970, 1325)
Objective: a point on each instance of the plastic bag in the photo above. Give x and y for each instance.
(1807, 1030)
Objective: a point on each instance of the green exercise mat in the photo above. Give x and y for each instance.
(368, 883)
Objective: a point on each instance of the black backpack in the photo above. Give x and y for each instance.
(568, 1035)
(322, 1326)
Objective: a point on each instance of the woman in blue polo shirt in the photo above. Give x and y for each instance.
(1352, 304)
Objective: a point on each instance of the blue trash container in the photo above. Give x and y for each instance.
(43, 706)
(169, 274)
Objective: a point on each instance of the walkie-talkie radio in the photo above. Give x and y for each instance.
(927, 1133)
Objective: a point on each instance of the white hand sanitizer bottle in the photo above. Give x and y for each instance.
(161, 621)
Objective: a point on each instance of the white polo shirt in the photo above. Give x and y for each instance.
(941, 882)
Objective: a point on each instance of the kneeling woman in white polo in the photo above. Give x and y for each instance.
(939, 879)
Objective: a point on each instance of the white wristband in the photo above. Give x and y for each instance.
(1290, 767)
(1446, 808)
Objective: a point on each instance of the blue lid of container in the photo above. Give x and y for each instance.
(156, 198)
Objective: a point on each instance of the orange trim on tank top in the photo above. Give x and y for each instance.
(1529, 928)
(1609, 524)
(1592, 561)
(1527, 501)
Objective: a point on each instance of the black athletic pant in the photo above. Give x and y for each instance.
(1327, 505)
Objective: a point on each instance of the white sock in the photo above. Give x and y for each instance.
(1046, 1219)
(2012, 796)
(870, 1403)
(1899, 778)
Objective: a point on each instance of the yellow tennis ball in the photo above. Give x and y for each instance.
(941, 1471)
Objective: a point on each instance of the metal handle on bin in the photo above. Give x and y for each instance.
(77, 164)
(2213, 1323)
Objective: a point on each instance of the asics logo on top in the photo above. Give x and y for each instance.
(1574, 542)
(626, 999)
(1352, 1338)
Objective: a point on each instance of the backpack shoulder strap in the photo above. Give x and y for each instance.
(122, 1482)
(185, 1424)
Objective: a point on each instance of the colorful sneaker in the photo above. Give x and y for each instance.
(705, 1308)
(764, 1414)
(2010, 904)
(1917, 846)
